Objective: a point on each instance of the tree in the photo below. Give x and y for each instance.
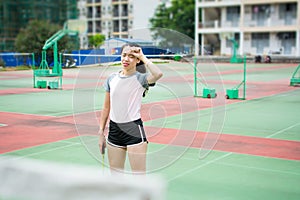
(96, 40)
(179, 18)
(32, 38)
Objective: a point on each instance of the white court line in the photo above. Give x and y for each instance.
(68, 142)
(191, 170)
(53, 149)
(234, 165)
(237, 165)
(258, 100)
(200, 166)
(259, 168)
(20, 113)
(283, 130)
(55, 115)
(262, 99)
(3, 125)
(49, 150)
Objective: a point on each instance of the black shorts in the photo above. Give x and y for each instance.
(126, 134)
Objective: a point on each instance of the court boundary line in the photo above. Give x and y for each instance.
(229, 154)
(283, 130)
(259, 168)
(30, 114)
(3, 125)
(67, 144)
(233, 104)
(215, 161)
(200, 166)
(72, 114)
(70, 144)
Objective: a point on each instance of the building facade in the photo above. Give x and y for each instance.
(258, 27)
(115, 18)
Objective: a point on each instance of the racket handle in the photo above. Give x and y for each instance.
(103, 162)
(103, 150)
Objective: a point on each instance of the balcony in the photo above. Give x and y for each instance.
(270, 16)
(124, 14)
(218, 3)
(255, 17)
(209, 24)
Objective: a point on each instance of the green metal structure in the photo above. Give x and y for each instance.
(207, 91)
(233, 93)
(234, 58)
(295, 80)
(44, 70)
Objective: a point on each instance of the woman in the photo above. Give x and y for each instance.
(123, 99)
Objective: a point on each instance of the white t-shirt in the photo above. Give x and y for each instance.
(125, 96)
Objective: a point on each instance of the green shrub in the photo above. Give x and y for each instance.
(2, 63)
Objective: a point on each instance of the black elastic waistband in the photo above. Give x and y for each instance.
(138, 121)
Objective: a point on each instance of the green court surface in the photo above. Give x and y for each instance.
(212, 149)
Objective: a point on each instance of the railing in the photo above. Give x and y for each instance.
(209, 24)
(247, 23)
(98, 15)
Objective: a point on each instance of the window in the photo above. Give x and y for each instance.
(288, 12)
(90, 27)
(124, 10)
(260, 14)
(116, 26)
(98, 11)
(232, 13)
(116, 11)
(90, 12)
(260, 41)
(98, 26)
(124, 25)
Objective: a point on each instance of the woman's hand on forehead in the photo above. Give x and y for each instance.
(135, 51)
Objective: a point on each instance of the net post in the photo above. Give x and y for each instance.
(244, 89)
(33, 61)
(60, 60)
(34, 86)
(195, 77)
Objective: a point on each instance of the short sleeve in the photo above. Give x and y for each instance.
(142, 78)
(106, 84)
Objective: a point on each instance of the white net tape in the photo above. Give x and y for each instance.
(36, 180)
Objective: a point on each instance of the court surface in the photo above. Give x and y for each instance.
(203, 148)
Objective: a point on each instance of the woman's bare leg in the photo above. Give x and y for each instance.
(137, 157)
(116, 157)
